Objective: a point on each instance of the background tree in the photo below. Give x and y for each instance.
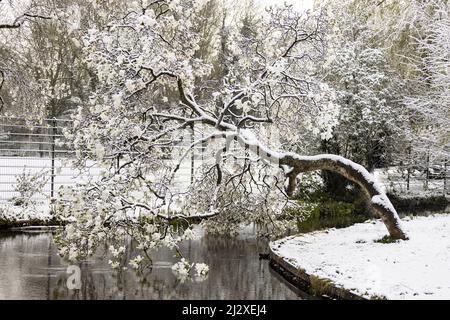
(430, 101)
(369, 90)
(14, 83)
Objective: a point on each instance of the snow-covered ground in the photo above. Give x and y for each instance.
(418, 268)
(9, 212)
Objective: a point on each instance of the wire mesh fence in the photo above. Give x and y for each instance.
(38, 153)
(30, 154)
(431, 178)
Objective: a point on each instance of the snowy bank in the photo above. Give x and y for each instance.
(353, 259)
(13, 216)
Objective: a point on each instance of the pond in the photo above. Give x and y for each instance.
(30, 268)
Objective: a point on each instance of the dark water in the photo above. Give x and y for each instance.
(31, 269)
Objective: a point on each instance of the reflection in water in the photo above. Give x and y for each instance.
(31, 269)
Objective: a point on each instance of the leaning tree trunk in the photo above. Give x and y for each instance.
(296, 164)
(380, 203)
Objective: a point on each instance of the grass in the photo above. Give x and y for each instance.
(330, 213)
(386, 239)
(320, 287)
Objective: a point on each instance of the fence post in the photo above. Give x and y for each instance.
(192, 154)
(409, 169)
(445, 176)
(52, 183)
(428, 170)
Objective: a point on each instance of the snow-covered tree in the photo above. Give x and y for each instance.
(146, 102)
(42, 74)
(430, 101)
(371, 116)
(14, 15)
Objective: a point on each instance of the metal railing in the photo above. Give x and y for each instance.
(40, 149)
(32, 149)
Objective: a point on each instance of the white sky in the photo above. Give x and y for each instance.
(300, 4)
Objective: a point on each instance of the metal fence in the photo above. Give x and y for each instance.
(38, 150)
(432, 178)
(30, 151)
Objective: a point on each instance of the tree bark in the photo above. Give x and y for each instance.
(379, 202)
